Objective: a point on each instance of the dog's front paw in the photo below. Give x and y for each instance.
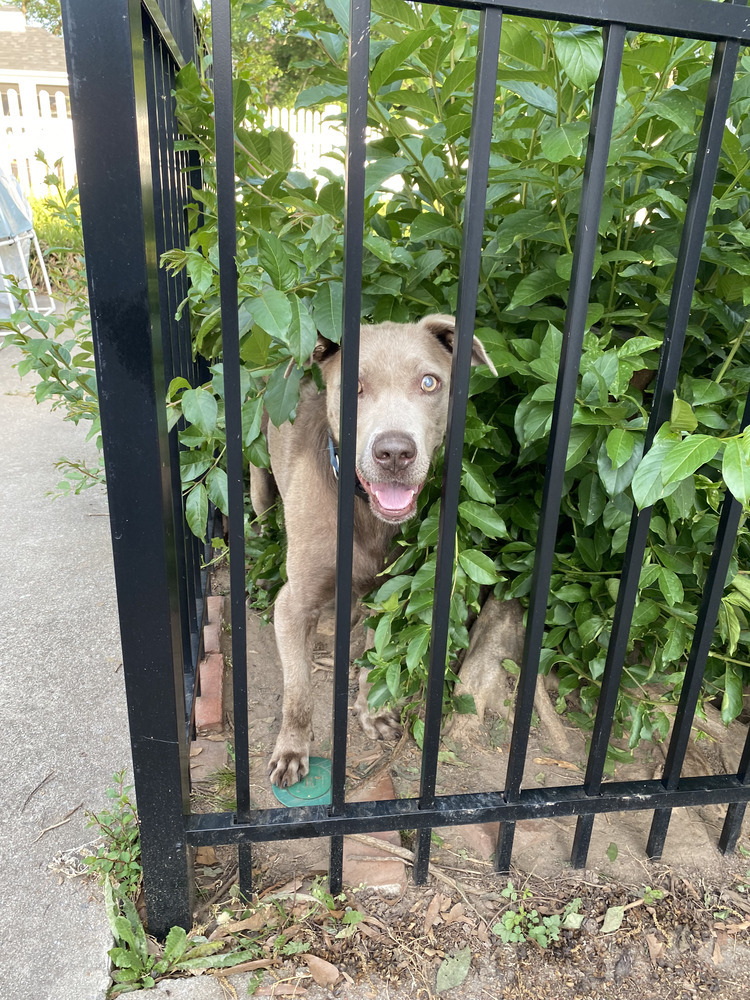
(290, 762)
(383, 725)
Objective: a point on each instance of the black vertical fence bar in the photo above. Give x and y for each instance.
(691, 243)
(600, 133)
(485, 88)
(732, 827)
(221, 23)
(104, 51)
(354, 223)
(708, 614)
(162, 214)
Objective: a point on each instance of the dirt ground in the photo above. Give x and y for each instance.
(624, 927)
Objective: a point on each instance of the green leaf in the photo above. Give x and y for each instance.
(216, 485)
(340, 11)
(671, 586)
(281, 155)
(111, 906)
(565, 142)
(581, 439)
(201, 273)
(580, 54)
(682, 417)
(196, 511)
(591, 499)
(542, 98)
(735, 468)
(675, 645)
(176, 944)
(282, 394)
(201, 409)
(327, 310)
(520, 43)
(538, 285)
(418, 646)
(620, 446)
(685, 457)
(648, 485)
(252, 418)
(484, 517)
(431, 226)
(677, 107)
(731, 702)
(645, 613)
(393, 57)
(613, 919)
(453, 970)
(380, 170)
(302, 333)
(125, 958)
(272, 311)
(478, 566)
(393, 677)
(274, 259)
(218, 961)
(476, 483)
(325, 93)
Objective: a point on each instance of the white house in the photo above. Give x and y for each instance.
(34, 105)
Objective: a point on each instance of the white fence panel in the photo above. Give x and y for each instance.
(314, 137)
(28, 127)
(39, 121)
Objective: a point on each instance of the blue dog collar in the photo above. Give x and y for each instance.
(334, 457)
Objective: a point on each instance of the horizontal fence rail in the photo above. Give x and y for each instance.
(159, 668)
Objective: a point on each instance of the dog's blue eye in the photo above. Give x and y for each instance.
(430, 383)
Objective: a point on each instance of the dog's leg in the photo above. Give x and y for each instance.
(263, 492)
(295, 629)
(383, 724)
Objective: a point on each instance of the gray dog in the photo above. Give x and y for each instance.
(404, 376)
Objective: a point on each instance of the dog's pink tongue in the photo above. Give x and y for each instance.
(391, 496)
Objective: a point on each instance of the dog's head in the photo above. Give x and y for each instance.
(404, 377)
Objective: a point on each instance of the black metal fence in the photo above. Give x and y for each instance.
(122, 57)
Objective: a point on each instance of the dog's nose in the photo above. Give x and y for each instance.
(394, 451)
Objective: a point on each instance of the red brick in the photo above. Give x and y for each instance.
(215, 609)
(384, 871)
(479, 838)
(211, 634)
(209, 711)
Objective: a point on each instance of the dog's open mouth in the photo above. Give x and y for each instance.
(392, 501)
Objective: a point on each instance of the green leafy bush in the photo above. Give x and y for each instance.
(58, 347)
(290, 281)
(118, 857)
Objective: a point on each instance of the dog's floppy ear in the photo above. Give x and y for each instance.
(324, 348)
(444, 328)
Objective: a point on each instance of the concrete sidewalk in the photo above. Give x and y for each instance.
(62, 709)
(63, 718)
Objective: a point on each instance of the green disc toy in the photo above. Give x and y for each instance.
(313, 790)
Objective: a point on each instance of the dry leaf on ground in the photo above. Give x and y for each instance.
(432, 916)
(324, 973)
(553, 761)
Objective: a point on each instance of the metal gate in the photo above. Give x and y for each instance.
(122, 58)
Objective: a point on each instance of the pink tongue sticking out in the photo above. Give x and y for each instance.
(391, 496)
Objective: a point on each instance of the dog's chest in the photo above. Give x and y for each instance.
(372, 543)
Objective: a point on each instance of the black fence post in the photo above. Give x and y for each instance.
(105, 53)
